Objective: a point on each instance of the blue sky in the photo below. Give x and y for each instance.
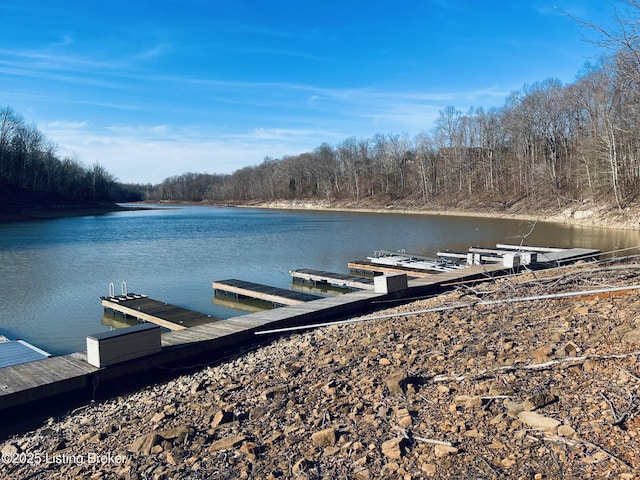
(154, 89)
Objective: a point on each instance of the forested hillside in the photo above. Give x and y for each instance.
(33, 175)
(550, 145)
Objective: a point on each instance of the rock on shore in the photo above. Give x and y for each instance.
(528, 390)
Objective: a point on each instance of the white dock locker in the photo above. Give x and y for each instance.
(109, 348)
(390, 283)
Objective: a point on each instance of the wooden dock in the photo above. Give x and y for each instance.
(163, 314)
(557, 256)
(411, 260)
(71, 378)
(316, 277)
(276, 296)
(43, 379)
(545, 256)
(49, 381)
(362, 266)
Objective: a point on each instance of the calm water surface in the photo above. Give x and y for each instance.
(52, 273)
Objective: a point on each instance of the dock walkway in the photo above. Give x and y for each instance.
(71, 376)
(43, 379)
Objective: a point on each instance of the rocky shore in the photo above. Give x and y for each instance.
(538, 389)
(595, 216)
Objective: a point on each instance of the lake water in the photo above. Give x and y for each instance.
(53, 272)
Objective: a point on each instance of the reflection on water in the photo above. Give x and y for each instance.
(52, 273)
(113, 320)
(319, 289)
(241, 303)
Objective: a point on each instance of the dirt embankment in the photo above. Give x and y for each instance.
(602, 216)
(539, 389)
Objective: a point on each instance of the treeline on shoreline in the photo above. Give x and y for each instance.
(32, 173)
(550, 145)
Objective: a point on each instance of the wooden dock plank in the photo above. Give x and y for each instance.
(266, 293)
(160, 313)
(42, 379)
(42, 373)
(469, 273)
(363, 265)
(333, 279)
(568, 255)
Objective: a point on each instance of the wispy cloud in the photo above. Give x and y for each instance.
(65, 41)
(214, 86)
(65, 125)
(43, 59)
(279, 52)
(128, 150)
(150, 154)
(282, 33)
(153, 52)
(290, 135)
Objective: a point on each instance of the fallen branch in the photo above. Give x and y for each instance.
(553, 296)
(409, 436)
(627, 372)
(578, 273)
(433, 442)
(574, 443)
(564, 363)
(617, 420)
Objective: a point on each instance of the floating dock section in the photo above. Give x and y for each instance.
(15, 352)
(320, 277)
(555, 256)
(364, 267)
(510, 256)
(402, 259)
(515, 255)
(73, 378)
(276, 296)
(163, 314)
(44, 379)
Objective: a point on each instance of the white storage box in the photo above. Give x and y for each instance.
(511, 260)
(108, 348)
(389, 283)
